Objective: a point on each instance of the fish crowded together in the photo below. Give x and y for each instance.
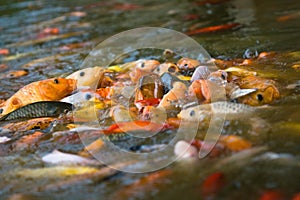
(144, 92)
(144, 97)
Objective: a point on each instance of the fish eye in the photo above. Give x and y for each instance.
(56, 81)
(1, 110)
(186, 64)
(172, 69)
(88, 96)
(192, 113)
(142, 65)
(223, 75)
(81, 74)
(157, 69)
(260, 97)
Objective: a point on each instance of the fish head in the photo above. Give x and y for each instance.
(187, 66)
(219, 77)
(166, 67)
(201, 72)
(187, 63)
(195, 113)
(88, 77)
(147, 65)
(56, 88)
(58, 108)
(266, 91)
(9, 106)
(179, 89)
(261, 97)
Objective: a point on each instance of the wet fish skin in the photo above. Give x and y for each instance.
(52, 89)
(38, 109)
(227, 109)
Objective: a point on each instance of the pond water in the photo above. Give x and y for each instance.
(76, 27)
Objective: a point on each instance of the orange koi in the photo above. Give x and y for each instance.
(214, 28)
(105, 93)
(147, 102)
(137, 125)
(235, 143)
(272, 195)
(154, 180)
(28, 141)
(212, 185)
(4, 51)
(15, 74)
(288, 17)
(45, 90)
(296, 196)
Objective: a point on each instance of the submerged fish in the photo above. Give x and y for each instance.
(40, 123)
(222, 108)
(57, 157)
(38, 109)
(45, 90)
(56, 171)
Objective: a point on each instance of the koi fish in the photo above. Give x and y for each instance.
(141, 68)
(203, 111)
(38, 109)
(46, 90)
(146, 126)
(176, 94)
(57, 157)
(211, 29)
(266, 91)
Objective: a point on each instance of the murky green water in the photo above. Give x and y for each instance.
(86, 23)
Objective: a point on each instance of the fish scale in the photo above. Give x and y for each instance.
(231, 108)
(222, 108)
(38, 109)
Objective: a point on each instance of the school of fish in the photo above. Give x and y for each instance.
(143, 95)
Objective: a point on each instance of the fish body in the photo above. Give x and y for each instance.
(46, 90)
(225, 109)
(38, 109)
(56, 171)
(57, 157)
